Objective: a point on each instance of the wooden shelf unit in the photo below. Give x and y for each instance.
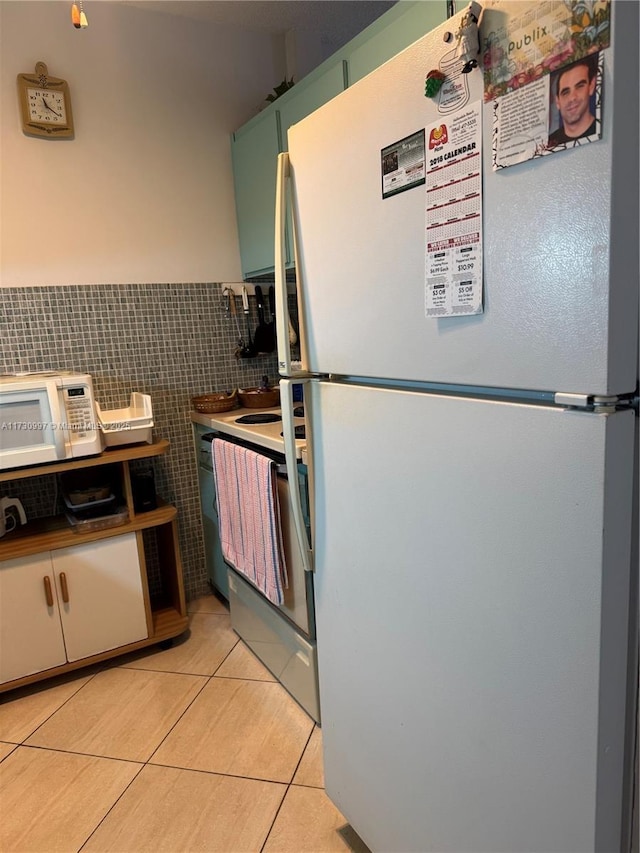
(107, 457)
(166, 617)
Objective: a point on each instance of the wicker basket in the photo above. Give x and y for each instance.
(259, 398)
(209, 404)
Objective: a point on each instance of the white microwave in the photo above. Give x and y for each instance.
(46, 417)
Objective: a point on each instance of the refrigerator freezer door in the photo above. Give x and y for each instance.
(560, 296)
(471, 637)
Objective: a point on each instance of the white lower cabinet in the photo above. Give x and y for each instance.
(100, 595)
(30, 630)
(69, 604)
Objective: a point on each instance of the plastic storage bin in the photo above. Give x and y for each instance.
(101, 522)
(91, 507)
(127, 426)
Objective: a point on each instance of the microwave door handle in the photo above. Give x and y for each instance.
(288, 433)
(57, 427)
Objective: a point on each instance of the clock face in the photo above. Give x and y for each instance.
(46, 106)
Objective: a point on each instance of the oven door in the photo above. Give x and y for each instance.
(32, 431)
(298, 605)
(282, 637)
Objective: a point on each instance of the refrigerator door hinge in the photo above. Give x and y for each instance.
(595, 403)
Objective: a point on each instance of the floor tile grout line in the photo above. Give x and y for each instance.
(275, 817)
(37, 746)
(313, 728)
(184, 711)
(68, 699)
(226, 656)
(293, 776)
(221, 773)
(149, 763)
(272, 680)
(208, 679)
(13, 746)
(214, 674)
(111, 807)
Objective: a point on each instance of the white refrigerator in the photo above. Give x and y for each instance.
(474, 478)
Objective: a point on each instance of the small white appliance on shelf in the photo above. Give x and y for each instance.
(46, 417)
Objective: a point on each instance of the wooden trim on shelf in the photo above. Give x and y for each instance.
(48, 534)
(167, 538)
(142, 559)
(107, 457)
(168, 623)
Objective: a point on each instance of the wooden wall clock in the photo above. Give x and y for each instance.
(45, 104)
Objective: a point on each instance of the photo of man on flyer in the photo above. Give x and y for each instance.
(573, 92)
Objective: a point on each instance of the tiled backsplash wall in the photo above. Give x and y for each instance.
(170, 341)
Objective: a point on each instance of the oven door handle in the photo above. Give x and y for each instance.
(289, 435)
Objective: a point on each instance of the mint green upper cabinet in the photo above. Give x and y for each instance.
(256, 145)
(312, 92)
(254, 151)
(403, 24)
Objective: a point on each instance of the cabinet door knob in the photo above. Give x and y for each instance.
(64, 587)
(48, 593)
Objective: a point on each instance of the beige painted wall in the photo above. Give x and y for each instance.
(144, 193)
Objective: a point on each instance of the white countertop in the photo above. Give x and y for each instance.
(264, 435)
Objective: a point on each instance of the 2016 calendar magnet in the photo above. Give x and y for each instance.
(453, 263)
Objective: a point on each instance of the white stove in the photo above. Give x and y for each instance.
(282, 637)
(266, 435)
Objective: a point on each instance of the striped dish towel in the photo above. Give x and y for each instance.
(249, 516)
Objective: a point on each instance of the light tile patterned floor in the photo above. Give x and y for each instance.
(196, 747)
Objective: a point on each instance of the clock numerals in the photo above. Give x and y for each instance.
(46, 105)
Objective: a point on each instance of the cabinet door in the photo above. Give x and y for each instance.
(392, 33)
(30, 631)
(304, 98)
(254, 150)
(100, 593)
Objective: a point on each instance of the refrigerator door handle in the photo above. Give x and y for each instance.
(282, 312)
(288, 432)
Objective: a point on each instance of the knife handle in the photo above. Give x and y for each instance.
(259, 303)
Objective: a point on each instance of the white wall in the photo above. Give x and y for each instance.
(144, 193)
